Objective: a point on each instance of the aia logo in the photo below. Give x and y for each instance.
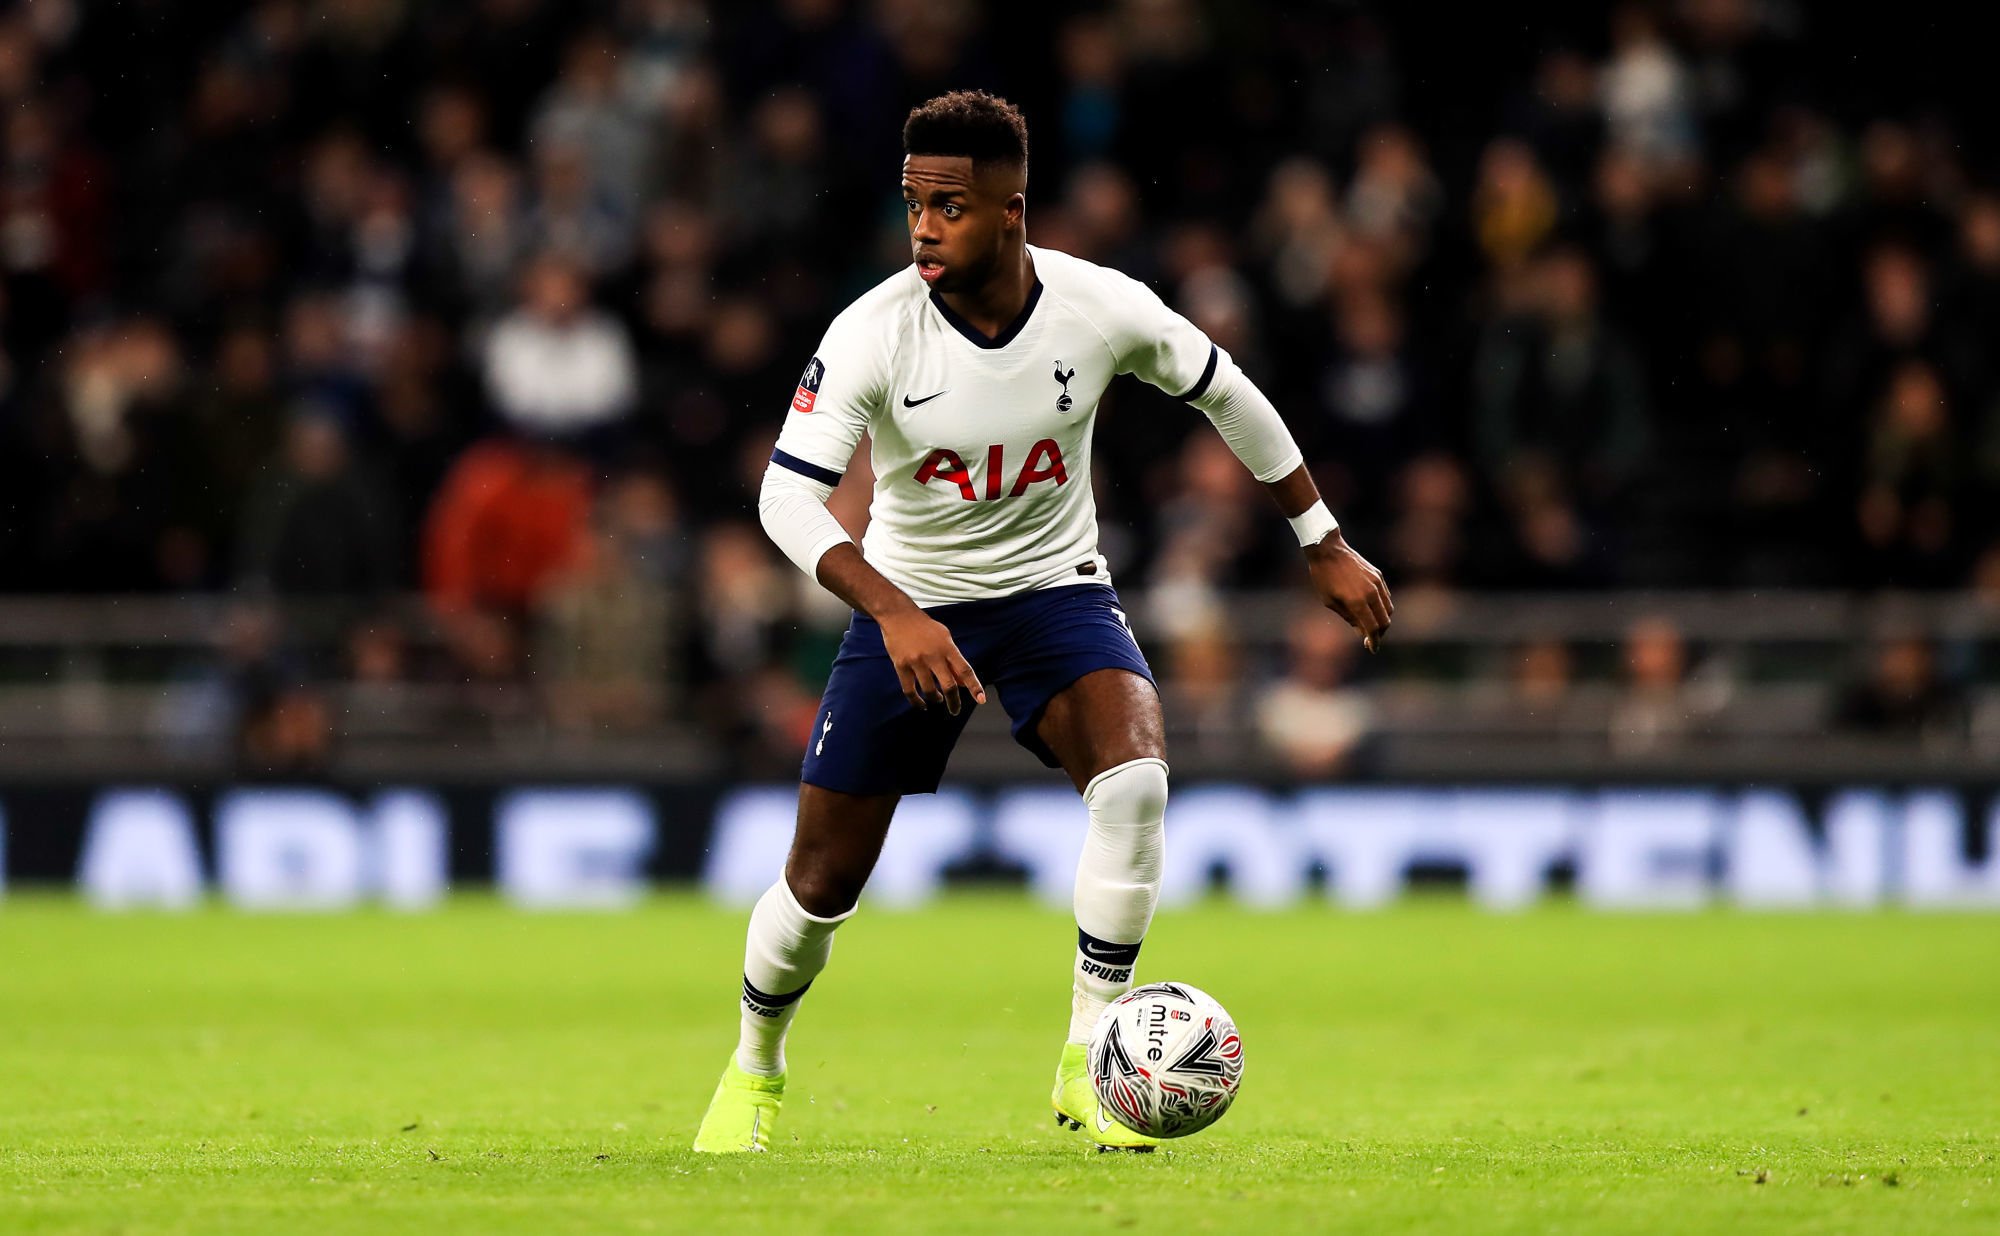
(1063, 401)
(1044, 463)
(802, 399)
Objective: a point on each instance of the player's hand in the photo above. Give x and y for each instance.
(1350, 586)
(928, 663)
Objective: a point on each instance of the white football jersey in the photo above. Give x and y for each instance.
(981, 447)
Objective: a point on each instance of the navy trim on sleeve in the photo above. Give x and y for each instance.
(1207, 376)
(811, 471)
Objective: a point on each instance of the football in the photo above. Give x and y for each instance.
(1165, 1060)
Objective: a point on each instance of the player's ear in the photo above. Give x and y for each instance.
(1016, 209)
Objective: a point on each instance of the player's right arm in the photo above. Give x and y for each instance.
(830, 411)
(927, 660)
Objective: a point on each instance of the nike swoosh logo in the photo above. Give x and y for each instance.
(1088, 951)
(911, 403)
(1102, 1123)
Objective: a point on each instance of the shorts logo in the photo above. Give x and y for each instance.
(1063, 401)
(802, 399)
(819, 748)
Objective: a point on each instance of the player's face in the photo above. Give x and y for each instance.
(960, 218)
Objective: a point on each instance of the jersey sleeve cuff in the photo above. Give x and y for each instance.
(833, 536)
(1282, 469)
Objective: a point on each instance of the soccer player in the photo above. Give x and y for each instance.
(976, 371)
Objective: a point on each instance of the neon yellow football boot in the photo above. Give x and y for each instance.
(743, 1114)
(1077, 1106)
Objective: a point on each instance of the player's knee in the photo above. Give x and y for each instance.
(823, 890)
(1132, 793)
(1128, 806)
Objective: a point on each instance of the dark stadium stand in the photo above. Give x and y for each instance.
(1656, 299)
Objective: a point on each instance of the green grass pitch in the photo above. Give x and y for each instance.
(1426, 1068)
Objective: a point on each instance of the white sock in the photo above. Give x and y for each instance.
(785, 951)
(1117, 884)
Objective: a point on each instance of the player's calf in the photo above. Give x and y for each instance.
(1117, 884)
(786, 948)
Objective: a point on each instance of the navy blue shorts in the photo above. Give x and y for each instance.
(869, 739)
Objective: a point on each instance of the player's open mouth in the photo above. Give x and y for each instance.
(929, 268)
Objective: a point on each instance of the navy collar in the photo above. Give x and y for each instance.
(1000, 340)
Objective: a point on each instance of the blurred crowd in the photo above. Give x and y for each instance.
(324, 303)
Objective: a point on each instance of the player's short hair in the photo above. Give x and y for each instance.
(972, 123)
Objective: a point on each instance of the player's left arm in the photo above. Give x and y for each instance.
(1163, 348)
(1348, 584)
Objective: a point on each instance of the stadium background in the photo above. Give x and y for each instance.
(386, 385)
(383, 393)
